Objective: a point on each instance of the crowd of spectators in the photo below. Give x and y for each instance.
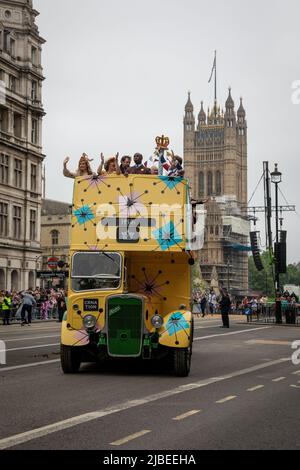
(44, 304)
(207, 302)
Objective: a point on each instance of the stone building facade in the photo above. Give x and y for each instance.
(21, 157)
(55, 230)
(55, 234)
(215, 156)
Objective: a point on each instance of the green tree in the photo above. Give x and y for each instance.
(263, 281)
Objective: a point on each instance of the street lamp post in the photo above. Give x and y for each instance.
(36, 268)
(228, 274)
(276, 178)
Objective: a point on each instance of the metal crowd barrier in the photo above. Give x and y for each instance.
(37, 314)
(266, 314)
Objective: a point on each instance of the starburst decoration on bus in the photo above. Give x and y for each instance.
(84, 215)
(95, 247)
(151, 287)
(130, 204)
(176, 324)
(167, 237)
(94, 182)
(170, 182)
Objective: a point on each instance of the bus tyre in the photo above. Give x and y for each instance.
(182, 362)
(70, 359)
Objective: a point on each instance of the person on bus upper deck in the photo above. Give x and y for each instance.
(84, 167)
(111, 166)
(173, 167)
(139, 168)
(125, 165)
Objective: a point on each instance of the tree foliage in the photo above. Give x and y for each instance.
(263, 281)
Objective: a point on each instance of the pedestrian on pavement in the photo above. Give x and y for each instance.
(45, 307)
(212, 302)
(27, 304)
(196, 304)
(203, 303)
(2, 294)
(6, 308)
(225, 306)
(61, 307)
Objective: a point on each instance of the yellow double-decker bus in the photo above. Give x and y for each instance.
(130, 272)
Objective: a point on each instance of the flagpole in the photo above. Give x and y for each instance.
(214, 70)
(215, 77)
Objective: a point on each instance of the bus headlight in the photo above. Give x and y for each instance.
(157, 321)
(89, 322)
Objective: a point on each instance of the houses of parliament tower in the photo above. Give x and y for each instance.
(215, 156)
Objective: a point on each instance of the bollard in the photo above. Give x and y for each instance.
(2, 353)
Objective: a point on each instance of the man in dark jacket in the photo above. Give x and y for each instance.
(139, 168)
(28, 303)
(61, 307)
(225, 306)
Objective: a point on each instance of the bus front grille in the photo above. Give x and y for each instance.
(125, 326)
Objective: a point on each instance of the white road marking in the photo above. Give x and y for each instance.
(253, 389)
(31, 337)
(18, 329)
(224, 400)
(202, 322)
(37, 433)
(120, 442)
(295, 386)
(270, 342)
(233, 333)
(206, 327)
(296, 373)
(25, 366)
(279, 379)
(186, 415)
(30, 347)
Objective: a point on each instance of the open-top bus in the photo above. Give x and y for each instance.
(130, 272)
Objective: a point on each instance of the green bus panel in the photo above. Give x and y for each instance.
(125, 323)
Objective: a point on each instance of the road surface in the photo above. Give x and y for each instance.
(243, 393)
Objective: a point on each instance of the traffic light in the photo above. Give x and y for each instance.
(280, 257)
(283, 236)
(256, 251)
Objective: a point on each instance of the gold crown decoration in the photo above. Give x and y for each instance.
(162, 142)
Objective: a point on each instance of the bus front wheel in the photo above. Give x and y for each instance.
(70, 359)
(182, 362)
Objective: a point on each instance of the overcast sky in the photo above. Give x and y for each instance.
(118, 72)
